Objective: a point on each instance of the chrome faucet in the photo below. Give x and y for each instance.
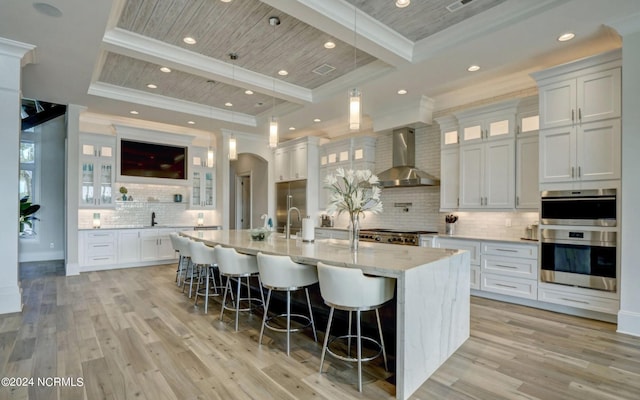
(153, 219)
(287, 229)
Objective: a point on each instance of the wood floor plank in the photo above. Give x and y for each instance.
(133, 334)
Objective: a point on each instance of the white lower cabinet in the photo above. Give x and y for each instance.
(472, 246)
(572, 297)
(329, 233)
(509, 285)
(122, 248)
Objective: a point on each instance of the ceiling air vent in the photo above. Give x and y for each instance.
(324, 69)
(458, 5)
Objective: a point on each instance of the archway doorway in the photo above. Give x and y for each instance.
(248, 178)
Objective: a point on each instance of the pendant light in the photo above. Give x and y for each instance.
(210, 160)
(233, 151)
(355, 97)
(273, 122)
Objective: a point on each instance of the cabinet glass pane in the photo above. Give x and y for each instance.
(106, 151)
(332, 158)
(472, 132)
(530, 123)
(344, 156)
(88, 150)
(197, 161)
(27, 153)
(499, 128)
(208, 188)
(358, 154)
(451, 137)
(323, 160)
(87, 183)
(105, 184)
(195, 191)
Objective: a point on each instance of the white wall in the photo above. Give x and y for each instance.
(629, 315)
(259, 171)
(49, 194)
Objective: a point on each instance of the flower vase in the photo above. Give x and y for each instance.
(354, 231)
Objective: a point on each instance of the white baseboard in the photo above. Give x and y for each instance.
(41, 256)
(90, 268)
(629, 323)
(10, 299)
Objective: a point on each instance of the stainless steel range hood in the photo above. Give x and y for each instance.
(404, 173)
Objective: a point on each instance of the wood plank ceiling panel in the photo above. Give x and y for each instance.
(421, 18)
(128, 72)
(243, 27)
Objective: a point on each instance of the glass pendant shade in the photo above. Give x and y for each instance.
(233, 151)
(210, 157)
(273, 133)
(355, 109)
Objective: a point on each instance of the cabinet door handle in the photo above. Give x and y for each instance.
(574, 301)
(579, 172)
(572, 171)
(507, 286)
(517, 200)
(580, 114)
(573, 115)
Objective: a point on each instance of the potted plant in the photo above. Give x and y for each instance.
(27, 209)
(124, 192)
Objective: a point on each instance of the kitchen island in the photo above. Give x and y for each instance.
(432, 292)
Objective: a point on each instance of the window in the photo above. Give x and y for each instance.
(28, 176)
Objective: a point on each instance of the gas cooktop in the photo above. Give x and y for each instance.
(393, 236)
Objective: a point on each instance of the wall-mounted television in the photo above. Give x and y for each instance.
(153, 160)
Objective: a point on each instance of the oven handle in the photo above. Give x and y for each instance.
(584, 243)
(578, 198)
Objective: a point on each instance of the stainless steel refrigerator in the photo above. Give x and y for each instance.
(291, 194)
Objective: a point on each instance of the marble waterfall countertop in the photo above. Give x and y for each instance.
(432, 292)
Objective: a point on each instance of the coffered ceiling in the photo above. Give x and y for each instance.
(104, 55)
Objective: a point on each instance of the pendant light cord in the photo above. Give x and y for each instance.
(355, 37)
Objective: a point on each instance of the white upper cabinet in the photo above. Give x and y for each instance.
(97, 171)
(496, 121)
(449, 179)
(592, 97)
(580, 108)
(527, 182)
(203, 184)
(291, 162)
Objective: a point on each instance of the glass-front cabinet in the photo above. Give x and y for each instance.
(97, 171)
(203, 195)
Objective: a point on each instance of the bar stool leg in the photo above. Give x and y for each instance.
(238, 302)
(288, 320)
(359, 351)
(206, 293)
(195, 303)
(326, 338)
(349, 337)
(384, 351)
(264, 317)
(313, 325)
(224, 298)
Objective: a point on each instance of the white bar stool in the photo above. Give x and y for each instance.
(234, 265)
(203, 257)
(280, 273)
(176, 248)
(350, 290)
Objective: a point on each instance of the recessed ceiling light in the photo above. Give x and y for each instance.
(248, 91)
(134, 112)
(282, 72)
(329, 45)
(292, 128)
(152, 86)
(317, 120)
(566, 36)
(189, 40)
(402, 3)
(473, 68)
(165, 69)
(191, 122)
(47, 9)
(402, 91)
(228, 104)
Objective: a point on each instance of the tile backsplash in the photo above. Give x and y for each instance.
(145, 200)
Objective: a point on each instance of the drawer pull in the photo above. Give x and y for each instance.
(101, 245)
(575, 301)
(507, 286)
(507, 250)
(506, 266)
(101, 258)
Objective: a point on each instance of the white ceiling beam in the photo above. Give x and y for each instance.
(336, 17)
(131, 44)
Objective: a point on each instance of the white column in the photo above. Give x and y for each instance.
(629, 314)
(72, 265)
(11, 57)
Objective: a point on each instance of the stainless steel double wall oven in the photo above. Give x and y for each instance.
(578, 246)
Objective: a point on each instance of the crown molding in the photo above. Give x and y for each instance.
(627, 25)
(24, 51)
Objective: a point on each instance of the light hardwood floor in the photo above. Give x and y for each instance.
(132, 334)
